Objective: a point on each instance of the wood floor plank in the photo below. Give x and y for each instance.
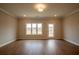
(40, 47)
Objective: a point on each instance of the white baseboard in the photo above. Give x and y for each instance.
(72, 42)
(7, 43)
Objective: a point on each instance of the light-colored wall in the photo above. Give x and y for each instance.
(22, 28)
(7, 28)
(71, 28)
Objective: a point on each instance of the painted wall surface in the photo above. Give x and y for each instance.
(71, 28)
(45, 21)
(7, 28)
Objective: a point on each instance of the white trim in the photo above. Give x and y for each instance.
(6, 43)
(72, 42)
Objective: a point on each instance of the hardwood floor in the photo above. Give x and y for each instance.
(40, 47)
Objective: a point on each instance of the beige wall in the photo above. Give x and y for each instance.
(71, 28)
(22, 29)
(7, 28)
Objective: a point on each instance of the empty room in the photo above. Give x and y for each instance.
(39, 28)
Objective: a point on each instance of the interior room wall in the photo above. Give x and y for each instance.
(71, 28)
(8, 27)
(57, 27)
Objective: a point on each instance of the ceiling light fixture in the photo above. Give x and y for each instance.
(40, 7)
(55, 15)
(24, 15)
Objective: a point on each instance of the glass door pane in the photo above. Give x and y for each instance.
(51, 30)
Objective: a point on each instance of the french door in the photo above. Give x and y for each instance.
(51, 30)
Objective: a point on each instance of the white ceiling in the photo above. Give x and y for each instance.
(21, 9)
